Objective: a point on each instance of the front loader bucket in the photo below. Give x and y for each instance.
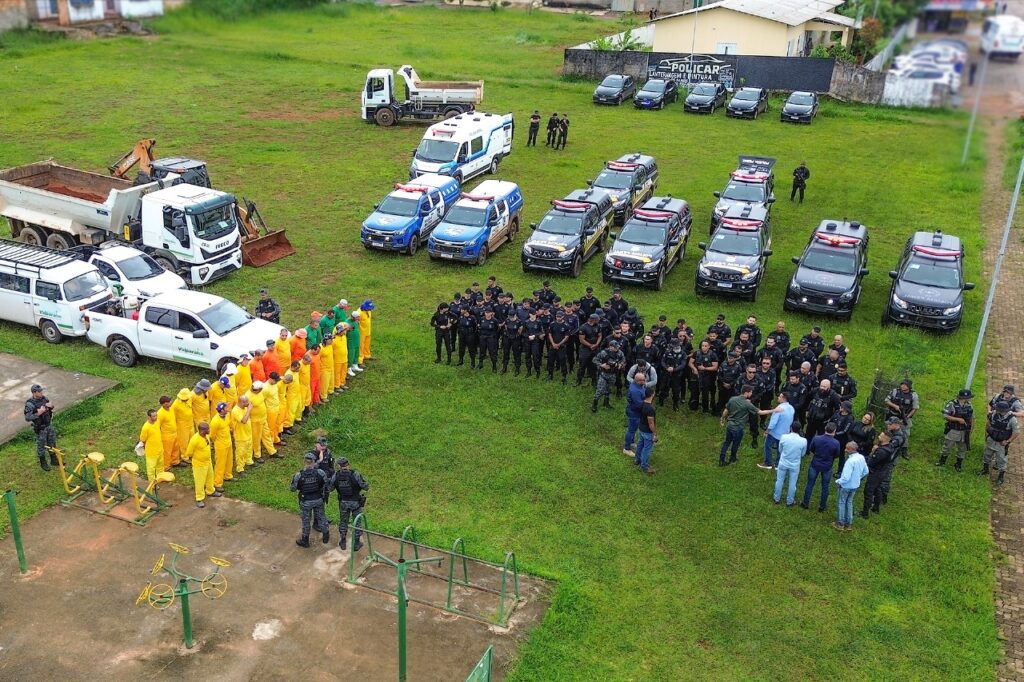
(258, 251)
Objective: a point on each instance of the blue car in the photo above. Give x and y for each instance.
(406, 217)
(478, 223)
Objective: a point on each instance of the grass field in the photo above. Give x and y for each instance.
(692, 573)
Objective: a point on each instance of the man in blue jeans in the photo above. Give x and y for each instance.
(735, 416)
(648, 432)
(634, 401)
(792, 448)
(854, 471)
(778, 426)
(824, 450)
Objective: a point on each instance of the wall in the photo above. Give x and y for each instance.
(131, 9)
(595, 65)
(856, 84)
(13, 14)
(752, 35)
(82, 10)
(785, 73)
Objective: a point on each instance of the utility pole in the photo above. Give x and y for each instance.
(977, 105)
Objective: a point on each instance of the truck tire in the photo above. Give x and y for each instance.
(414, 244)
(513, 229)
(385, 117)
(659, 283)
(166, 262)
(60, 241)
(224, 362)
(458, 177)
(123, 353)
(482, 258)
(577, 267)
(32, 235)
(493, 169)
(51, 332)
(452, 112)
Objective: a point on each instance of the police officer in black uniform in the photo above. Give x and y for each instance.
(324, 459)
(493, 288)
(558, 340)
(753, 331)
(533, 343)
(670, 373)
(774, 354)
(441, 321)
(796, 394)
(729, 373)
(821, 405)
(531, 138)
(468, 339)
(704, 370)
(877, 461)
(39, 412)
(488, 330)
(959, 416)
(572, 323)
(310, 484)
(801, 354)
(512, 343)
(801, 174)
(781, 337)
(589, 304)
(609, 363)
(590, 342)
(815, 341)
(721, 328)
(552, 130)
(843, 383)
(351, 487)
(267, 308)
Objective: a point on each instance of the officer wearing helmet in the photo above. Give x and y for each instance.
(609, 363)
(1002, 430)
(309, 483)
(351, 499)
(902, 402)
(959, 416)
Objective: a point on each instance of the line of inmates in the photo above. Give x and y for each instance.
(221, 428)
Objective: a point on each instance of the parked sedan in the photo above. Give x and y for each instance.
(655, 94)
(614, 89)
(705, 97)
(801, 107)
(748, 103)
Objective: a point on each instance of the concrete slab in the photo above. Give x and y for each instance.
(63, 388)
(287, 613)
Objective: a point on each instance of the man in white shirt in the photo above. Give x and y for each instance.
(792, 448)
(854, 470)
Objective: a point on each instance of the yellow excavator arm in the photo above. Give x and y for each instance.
(142, 155)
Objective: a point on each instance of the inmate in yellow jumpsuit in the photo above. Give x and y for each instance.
(243, 378)
(168, 436)
(340, 367)
(326, 371)
(198, 451)
(304, 381)
(283, 351)
(183, 425)
(223, 456)
(200, 408)
(341, 357)
(241, 428)
(294, 391)
(153, 440)
(261, 438)
(284, 415)
(271, 394)
(365, 327)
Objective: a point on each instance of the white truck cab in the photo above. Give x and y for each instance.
(129, 271)
(464, 146)
(48, 289)
(1003, 36)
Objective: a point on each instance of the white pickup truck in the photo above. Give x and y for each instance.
(189, 327)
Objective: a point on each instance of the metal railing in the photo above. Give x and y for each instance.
(880, 60)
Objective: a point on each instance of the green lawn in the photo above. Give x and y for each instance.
(692, 573)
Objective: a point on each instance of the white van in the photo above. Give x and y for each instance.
(129, 271)
(464, 146)
(1003, 36)
(48, 289)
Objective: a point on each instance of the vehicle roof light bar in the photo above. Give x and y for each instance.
(836, 240)
(657, 215)
(570, 205)
(621, 165)
(941, 253)
(414, 189)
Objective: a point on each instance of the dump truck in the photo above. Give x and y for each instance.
(187, 229)
(260, 244)
(424, 100)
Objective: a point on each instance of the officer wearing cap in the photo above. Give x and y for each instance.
(815, 341)
(558, 341)
(959, 416)
(729, 373)
(618, 304)
(533, 343)
(897, 432)
(801, 354)
(466, 328)
(442, 324)
(512, 343)
(1002, 430)
(39, 413)
(722, 329)
(590, 341)
(572, 323)
(589, 304)
(673, 364)
(1008, 394)
(309, 483)
(351, 487)
(903, 402)
(488, 330)
(609, 362)
(267, 308)
(547, 294)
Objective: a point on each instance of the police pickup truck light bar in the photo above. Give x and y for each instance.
(750, 175)
(412, 189)
(620, 165)
(836, 240)
(654, 215)
(570, 205)
(736, 224)
(475, 197)
(938, 253)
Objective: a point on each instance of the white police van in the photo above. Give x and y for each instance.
(406, 216)
(464, 146)
(478, 223)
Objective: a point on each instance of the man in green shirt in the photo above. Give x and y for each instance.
(313, 334)
(735, 417)
(353, 345)
(341, 312)
(328, 322)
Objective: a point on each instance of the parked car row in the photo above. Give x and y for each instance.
(936, 61)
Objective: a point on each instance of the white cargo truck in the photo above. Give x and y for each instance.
(187, 229)
(383, 104)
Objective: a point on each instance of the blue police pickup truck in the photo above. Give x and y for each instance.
(405, 218)
(478, 223)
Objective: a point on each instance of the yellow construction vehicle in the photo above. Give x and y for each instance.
(260, 245)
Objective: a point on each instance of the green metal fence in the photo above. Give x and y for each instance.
(482, 671)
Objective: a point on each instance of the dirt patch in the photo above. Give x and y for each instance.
(287, 613)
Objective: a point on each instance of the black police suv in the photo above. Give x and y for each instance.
(630, 181)
(751, 184)
(828, 275)
(705, 98)
(928, 285)
(651, 243)
(614, 89)
(570, 233)
(800, 107)
(655, 94)
(734, 260)
(747, 103)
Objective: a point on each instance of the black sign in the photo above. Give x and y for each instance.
(689, 69)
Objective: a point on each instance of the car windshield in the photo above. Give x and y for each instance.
(139, 267)
(437, 151)
(841, 261)
(933, 273)
(466, 215)
(642, 233)
(398, 206)
(929, 75)
(802, 100)
(612, 82)
(657, 87)
(610, 179)
(225, 317)
(216, 222)
(746, 95)
(561, 223)
(84, 286)
(736, 243)
(742, 191)
(705, 90)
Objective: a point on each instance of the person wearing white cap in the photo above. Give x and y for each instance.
(353, 345)
(261, 436)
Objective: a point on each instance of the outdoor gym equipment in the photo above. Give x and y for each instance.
(16, 529)
(122, 485)
(162, 595)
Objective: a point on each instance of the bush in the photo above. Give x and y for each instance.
(238, 9)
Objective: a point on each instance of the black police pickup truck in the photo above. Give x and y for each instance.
(651, 243)
(570, 233)
(829, 273)
(751, 184)
(734, 260)
(630, 180)
(928, 285)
